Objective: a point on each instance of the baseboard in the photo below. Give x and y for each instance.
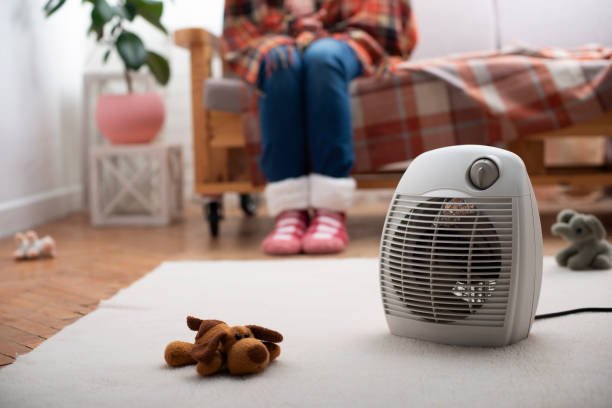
(28, 212)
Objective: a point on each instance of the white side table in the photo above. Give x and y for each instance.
(135, 184)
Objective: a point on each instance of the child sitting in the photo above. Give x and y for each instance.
(302, 55)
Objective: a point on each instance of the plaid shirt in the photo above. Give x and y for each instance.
(376, 30)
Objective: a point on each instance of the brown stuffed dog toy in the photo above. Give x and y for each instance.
(241, 349)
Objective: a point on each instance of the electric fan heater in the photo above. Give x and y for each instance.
(461, 250)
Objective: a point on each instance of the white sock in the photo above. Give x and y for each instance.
(288, 194)
(331, 193)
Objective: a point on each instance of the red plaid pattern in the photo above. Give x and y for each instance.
(484, 98)
(375, 30)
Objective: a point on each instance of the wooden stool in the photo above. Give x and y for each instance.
(135, 184)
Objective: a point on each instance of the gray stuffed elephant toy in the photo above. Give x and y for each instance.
(588, 249)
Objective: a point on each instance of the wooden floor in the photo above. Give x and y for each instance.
(38, 298)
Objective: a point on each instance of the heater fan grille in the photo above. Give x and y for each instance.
(447, 260)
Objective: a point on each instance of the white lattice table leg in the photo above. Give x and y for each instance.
(135, 185)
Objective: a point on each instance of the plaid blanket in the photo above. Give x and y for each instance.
(380, 32)
(483, 98)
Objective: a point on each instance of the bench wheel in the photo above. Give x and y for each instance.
(249, 204)
(213, 214)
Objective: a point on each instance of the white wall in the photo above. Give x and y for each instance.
(453, 26)
(41, 63)
(562, 23)
(195, 13)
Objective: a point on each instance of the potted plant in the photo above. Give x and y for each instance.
(131, 117)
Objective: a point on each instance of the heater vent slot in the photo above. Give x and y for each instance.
(448, 260)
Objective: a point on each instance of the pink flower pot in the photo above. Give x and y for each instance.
(130, 118)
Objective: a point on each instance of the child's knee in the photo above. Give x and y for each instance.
(282, 58)
(323, 53)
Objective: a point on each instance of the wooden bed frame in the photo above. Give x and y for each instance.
(219, 154)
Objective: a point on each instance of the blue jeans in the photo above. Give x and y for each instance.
(305, 111)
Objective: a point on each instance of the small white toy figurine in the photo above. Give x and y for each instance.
(29, 246)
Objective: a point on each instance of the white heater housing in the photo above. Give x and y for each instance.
(461, 249)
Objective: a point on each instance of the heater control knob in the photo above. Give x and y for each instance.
(484, 173)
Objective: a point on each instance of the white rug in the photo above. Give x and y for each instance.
(337, 350)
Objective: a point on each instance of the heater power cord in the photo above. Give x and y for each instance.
(574, 311)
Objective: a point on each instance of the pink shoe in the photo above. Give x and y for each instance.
(286, 237)
(326, 234)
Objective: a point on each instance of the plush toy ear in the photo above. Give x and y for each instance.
(201, 326)
(264, 334)
(206, 351)
(565, 215)
(206, 325)
(595, 226)
(193, 323)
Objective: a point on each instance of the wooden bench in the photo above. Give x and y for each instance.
(220, 157)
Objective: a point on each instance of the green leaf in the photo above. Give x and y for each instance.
(101, 13)
(131, 50)
(52, 6)
(127, 11)
(159, 67)
(103, 10)
(106, 55)
(150, 10)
